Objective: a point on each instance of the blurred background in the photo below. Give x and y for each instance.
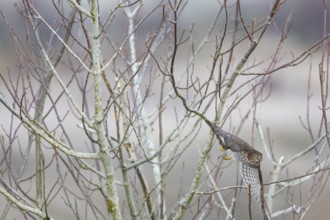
(281, 114)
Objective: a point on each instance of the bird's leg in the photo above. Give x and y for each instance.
(225, 156)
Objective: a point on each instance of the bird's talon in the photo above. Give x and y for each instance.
(227, 157)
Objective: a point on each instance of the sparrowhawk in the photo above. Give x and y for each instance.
(249, 160)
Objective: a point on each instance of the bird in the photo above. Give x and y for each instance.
(249, 160)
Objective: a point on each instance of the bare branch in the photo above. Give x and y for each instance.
(80, 8)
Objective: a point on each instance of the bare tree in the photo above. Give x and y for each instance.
(105, 108)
